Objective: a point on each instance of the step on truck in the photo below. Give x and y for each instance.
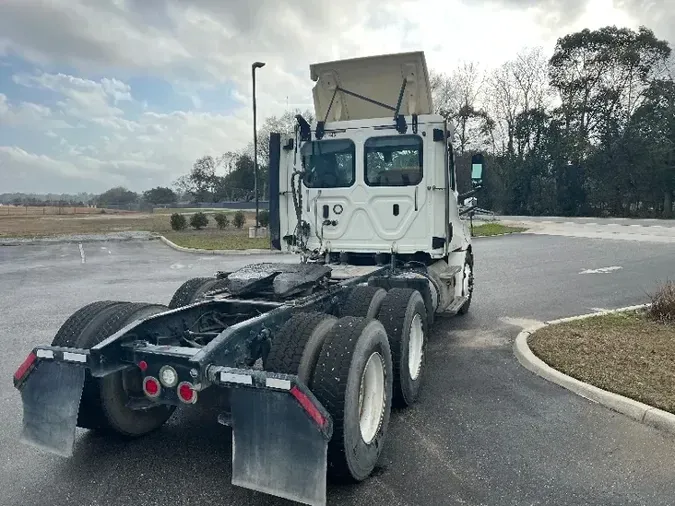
(303, 360)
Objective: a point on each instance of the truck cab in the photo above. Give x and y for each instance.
(373, 178)
(374, 174)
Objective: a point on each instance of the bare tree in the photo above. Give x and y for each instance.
(516, 88)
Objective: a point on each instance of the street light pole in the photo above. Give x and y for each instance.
(255, 66)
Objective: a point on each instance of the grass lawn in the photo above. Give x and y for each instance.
(488, 229)
(50, 225)
(625, 353)
(213, 239)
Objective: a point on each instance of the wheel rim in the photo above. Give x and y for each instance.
(371, 398)
(468, 280)
(415, 346)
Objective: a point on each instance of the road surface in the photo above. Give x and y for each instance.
(485, 432)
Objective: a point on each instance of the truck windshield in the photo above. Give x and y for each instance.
(329, 163)
(393, 160)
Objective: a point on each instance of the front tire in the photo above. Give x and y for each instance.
(353, 381)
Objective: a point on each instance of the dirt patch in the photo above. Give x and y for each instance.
(625, 353)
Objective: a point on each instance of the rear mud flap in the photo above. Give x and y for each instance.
(51, 399)
(276, 448)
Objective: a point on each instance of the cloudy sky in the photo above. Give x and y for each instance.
(99, 93)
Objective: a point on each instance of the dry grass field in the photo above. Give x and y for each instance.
(40, 222)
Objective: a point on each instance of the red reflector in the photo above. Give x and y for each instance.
(186, 393)
(308, 406)
(151, 386)
(143, 365)
(25, 366)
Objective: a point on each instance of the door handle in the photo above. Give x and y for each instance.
(416, 198)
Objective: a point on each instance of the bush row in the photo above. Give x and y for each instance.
(200, 220)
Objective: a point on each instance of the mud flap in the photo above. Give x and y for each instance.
(276, 448)
(51, 399)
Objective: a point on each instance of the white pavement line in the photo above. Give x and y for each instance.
(602, 270)
(222, 251)
(639, 411)
(634, 225)
(82, 257)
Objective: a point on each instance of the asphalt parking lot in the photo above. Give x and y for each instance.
(486, 431)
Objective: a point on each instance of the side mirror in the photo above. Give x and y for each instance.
(477, 162)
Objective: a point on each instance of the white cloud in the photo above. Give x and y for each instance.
(82, 98)
(201, 44)
(28, 115)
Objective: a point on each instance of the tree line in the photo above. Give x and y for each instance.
(589, 131)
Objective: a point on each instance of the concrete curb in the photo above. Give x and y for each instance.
(639, 411)
(230, 252)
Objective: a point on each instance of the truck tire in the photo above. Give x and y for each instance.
(103, 403)
(468, 279)
(353, 381)
(192, 289)
(404, 317)
(296, 346)
(75, 324)
(364, 301)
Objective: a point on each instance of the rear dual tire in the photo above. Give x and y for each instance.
(403, 313)
(347, 364)
(103, 403)
(193, 290)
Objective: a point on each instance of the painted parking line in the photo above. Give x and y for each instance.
(602, 270)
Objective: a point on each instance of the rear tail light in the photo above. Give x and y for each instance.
(187, 393)
(151, 387)
(308, 406)
(25, 367)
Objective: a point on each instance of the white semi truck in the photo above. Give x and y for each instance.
(304, 360)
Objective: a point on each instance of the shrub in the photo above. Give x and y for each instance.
(239, 219)
(222, 220)
(178, 222)
(199, 221)
(264, 218)
(663, 303)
